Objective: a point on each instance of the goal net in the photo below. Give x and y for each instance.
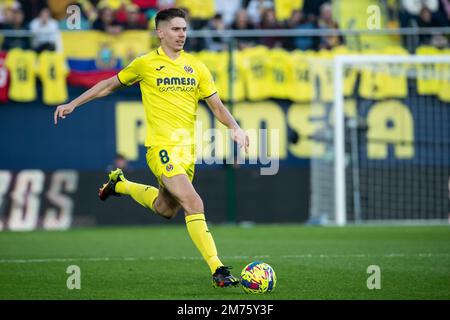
(387, 143)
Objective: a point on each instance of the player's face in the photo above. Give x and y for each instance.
(173, 33)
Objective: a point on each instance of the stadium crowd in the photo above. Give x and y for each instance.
(45, 19)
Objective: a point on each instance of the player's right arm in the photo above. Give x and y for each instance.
(101, 89)
(126, 77)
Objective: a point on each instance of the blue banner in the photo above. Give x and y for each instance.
(412, 131)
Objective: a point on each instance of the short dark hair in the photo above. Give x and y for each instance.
(169, 14)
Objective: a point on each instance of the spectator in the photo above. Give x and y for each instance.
(427, 19)
(439, 41)
(412, 13)
(446, 10)
(6, 16)
(311, 8)
(46, 35)
(300, 22)
(242, 22)
(192, 44)
(269, 21)
(89, 12)
(17, 23)
(134, 20)
(106, 22)
(256, 8)
(32, 8)
(326, 21)
(227, 9)
(216, 43)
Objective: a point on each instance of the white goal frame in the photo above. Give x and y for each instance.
(339, 63)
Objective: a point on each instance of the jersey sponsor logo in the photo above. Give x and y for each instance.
(160, 68)
(169, 167)
(188, 69)
(176, 81)
(181, 84)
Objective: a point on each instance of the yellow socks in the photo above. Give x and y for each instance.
(203, 240)
(143, 194)
(195, 223)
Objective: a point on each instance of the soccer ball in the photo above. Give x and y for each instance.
(258, 277)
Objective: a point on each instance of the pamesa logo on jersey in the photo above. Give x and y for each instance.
(176, 84)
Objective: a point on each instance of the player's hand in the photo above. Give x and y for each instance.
(241, 137)
(62, 111)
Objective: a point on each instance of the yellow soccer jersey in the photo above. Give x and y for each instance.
(444, 81)
(395, 82)
(170, 91)
(217, 69)
(323, 69)
(218, 65)
(350, 73)
(21, 65)
(281, 75)
(257, 73)
(428, 74)
(303, 87)
(239, 78)
(53, 71)
(371, 83)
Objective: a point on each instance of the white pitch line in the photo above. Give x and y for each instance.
(302, 256)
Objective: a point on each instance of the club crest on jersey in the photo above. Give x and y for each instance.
(188, 69)
(169, 167)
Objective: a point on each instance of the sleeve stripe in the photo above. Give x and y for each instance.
(120, 81)
(210, 95)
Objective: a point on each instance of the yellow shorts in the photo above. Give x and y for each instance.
(171, 161)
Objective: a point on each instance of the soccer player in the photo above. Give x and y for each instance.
(171, 82)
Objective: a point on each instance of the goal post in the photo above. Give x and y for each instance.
(390, 157)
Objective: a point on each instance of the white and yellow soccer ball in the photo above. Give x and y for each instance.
(258, 277)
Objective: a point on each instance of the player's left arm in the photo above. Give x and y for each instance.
(225, 117)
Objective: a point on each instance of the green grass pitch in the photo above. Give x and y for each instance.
(162, 262)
